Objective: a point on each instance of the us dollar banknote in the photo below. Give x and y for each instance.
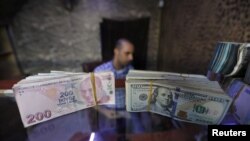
(196, 102)
(41, 99)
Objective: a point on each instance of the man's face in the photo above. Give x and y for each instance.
(164, 97)
(124, 54)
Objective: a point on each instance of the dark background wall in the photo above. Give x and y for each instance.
(191, 28)
(48, 36)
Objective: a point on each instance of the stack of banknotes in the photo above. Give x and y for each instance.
(230, 58)
(184, 97)
(49, 95)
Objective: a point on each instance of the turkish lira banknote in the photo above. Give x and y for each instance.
(41, 98)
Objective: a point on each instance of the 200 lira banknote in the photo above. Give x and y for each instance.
(40, 99)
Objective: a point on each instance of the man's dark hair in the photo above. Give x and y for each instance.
(120, 42)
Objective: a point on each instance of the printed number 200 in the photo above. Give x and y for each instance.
(38, 116)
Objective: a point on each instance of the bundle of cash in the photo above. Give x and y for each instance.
(230, 58)
(186, 97)
(49, 95)
(225, 57)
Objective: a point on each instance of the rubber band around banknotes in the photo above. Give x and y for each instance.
(92, 76)
(150, 95)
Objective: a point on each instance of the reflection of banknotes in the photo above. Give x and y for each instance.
(61, 129)
(191, 102)
(241, 108)
(45, 99)
(234, 87)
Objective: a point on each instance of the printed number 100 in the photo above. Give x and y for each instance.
(32, 118)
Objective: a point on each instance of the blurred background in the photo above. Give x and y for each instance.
(77, 35)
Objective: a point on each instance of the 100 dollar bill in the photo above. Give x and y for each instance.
(181, 103)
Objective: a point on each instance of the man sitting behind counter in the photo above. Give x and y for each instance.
(121, 62)
(120, 66)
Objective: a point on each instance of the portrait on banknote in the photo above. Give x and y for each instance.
(87, 91)
(162, 100)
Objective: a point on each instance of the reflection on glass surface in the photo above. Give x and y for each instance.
(92, 136)
(229, 120)
(119, 99)
(63, 128)
(100, 123)
(89, 123)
